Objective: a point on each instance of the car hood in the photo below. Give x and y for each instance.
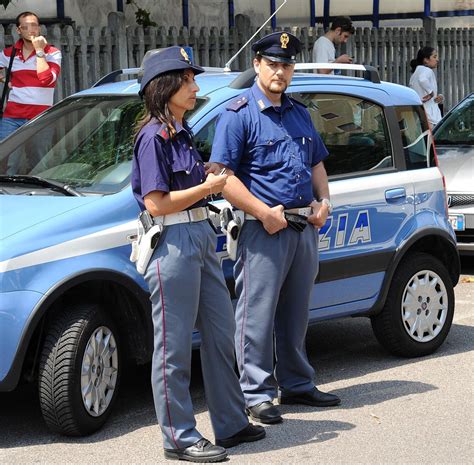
(19, 212)
(457, 165)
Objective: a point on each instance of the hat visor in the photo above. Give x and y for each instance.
(291, 61)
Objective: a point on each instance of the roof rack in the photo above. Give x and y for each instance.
(247, 77)
(112, 76)
(369, 72)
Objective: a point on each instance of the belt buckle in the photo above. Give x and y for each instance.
(198, 214)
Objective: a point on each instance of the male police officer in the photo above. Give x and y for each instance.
(274, 158)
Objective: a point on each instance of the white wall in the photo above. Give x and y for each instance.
(44, 9)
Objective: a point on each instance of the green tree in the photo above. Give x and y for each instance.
(141, 16)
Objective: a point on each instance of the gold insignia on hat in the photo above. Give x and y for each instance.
(284, 39)
(185, 55)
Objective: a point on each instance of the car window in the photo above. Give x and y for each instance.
(416, 137)
(85, 142)
(203, 139)
(458, 128)
(354, 131)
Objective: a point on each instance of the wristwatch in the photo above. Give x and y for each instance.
(328, 204)
(40, 54)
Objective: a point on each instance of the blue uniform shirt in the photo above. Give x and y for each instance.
(270, 149)
(165, 163)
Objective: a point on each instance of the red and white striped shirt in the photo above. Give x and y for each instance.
(31, 92)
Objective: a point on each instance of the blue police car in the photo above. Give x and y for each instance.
(73, 308)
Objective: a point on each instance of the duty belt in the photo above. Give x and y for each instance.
(304, 211)
(186, 216)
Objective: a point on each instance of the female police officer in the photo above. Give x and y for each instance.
(186, 282)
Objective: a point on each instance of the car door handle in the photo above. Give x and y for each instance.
(395, 194)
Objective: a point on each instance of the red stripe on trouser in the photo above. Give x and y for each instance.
(164, 351)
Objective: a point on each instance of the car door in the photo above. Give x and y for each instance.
(372, 199)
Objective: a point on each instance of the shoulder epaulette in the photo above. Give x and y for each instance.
(238, 103)
(163, 132)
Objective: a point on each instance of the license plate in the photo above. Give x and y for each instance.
(457, 222)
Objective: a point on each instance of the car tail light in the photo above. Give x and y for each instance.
(435, 157)
(433, 146)
(445, 194)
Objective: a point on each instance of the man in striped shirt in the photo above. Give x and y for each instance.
(35, 71)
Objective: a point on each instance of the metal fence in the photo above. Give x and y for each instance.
(89, 53)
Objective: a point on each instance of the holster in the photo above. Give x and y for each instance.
(144, 245)
(231, 224)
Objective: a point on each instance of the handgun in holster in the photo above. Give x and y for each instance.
(231, 225)
(148, 235)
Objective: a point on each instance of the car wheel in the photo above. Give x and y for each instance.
(79, 370)
(419, 308)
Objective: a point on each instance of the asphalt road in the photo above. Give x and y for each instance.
(394, 411)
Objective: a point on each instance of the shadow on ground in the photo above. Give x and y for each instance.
(340, 349)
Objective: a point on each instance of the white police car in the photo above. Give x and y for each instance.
(74, 309)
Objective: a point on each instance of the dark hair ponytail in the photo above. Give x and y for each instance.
(424, 52)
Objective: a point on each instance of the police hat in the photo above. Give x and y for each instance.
(278, 46)
(164, 60)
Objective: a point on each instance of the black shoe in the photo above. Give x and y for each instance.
(315, 398)
(249, 434)
(265, 412)
(201, 451)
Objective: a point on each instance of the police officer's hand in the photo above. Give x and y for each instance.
(274, 221)
(319, 216)
(214, 183)
(39, 43)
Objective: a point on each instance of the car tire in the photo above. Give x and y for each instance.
(419, 308)
(79, 370)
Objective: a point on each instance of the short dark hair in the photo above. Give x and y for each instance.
(344, 22)
(25, 13)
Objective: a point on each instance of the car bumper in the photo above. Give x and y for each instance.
(464, 236)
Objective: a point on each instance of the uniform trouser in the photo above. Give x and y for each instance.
(188, 289)
(274, 277)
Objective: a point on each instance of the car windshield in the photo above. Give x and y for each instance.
(84, 142)
(458, 127)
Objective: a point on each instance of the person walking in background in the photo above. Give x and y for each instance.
(35, 71)
(423, 82)
(274, 158)
(324, 49)
(184, 276)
